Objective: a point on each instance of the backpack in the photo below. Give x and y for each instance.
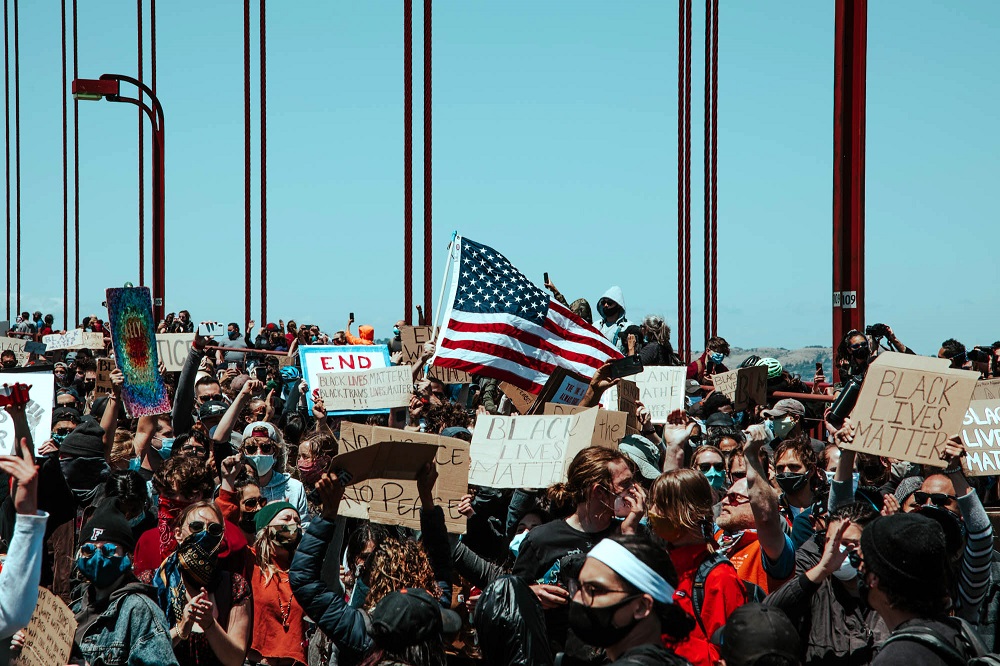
(754, 593)
(970, 650)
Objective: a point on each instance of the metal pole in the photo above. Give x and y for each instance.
(850, 51)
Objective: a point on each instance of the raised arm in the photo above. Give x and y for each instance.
(181, 416)
(109, 420)
(763, 498)
(232, 414)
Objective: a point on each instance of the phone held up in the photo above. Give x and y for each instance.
(626, 367)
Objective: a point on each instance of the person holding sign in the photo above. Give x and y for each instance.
(710, 361)
(117, 611)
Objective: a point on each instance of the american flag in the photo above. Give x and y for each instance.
(498, 324)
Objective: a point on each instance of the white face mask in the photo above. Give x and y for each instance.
(846, 571)
(782, 427)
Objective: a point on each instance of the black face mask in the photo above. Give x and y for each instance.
(247, 523)
(88, 385)
(789, 482)
(595, 626)
(84, 476)
(234, 335)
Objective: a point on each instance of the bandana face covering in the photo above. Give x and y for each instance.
(198, 556)
(309, 472)
(169, 510)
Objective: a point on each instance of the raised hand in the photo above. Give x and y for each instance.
(22, 467)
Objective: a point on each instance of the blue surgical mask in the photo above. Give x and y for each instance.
(716, 357)
(395, 330)
(515, 543)
(102, 570)
(716, 478)
(167, 446)
(261, 463)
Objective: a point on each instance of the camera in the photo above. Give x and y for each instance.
(877, 331)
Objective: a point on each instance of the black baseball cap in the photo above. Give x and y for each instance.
(754, 631)
(410, 616)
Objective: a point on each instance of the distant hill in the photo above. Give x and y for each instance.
(796, 361)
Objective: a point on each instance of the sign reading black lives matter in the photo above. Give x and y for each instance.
(909, 407)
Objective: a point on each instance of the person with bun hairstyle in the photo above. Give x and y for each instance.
(598, 479)
(709, 589)
(624, 602)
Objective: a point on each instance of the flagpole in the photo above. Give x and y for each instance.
(444, 283)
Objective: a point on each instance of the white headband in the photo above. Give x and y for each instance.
(632, 569)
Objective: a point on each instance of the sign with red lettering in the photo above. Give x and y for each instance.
(318, 360)
(909, 407)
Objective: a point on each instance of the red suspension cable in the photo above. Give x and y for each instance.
(246, 154)
(76, 176)
(408, 160)
(715, 167)
(707, 171)
(687, 176)
(428, 240)
(6, 106)
(681, 350)
(142, 161)
(65, 175)
(17, 152)
(263, 163)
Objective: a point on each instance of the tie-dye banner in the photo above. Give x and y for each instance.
(133, 333)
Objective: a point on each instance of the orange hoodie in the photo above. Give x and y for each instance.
(366, 336)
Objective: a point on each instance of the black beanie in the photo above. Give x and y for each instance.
(906, 550)
(86, 440)
(109, 524)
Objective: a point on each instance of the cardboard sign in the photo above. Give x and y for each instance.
(68, 340)
(527, 451)
(317, 359)
(413, 339)
(909, 406)
(93, 340)
(660, 389)
(105, 366)
(130, 318)
(38, 409)
(48, 638)
(609, 429)
(520, 399)
(173, 349)
(392, 502)
(365, 390)
(399, 461)
(981, 436)
(563, 387)
(16, 345)
(746, 387)
(988, 389)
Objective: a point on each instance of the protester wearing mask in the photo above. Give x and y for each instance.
(279, 634)
(239, 496)
(233, 340)
(315, 454)
(710, 461)
(83, 462)
(709, 589)
(264, 449)
(798, 474)
(129, 488)
(396, 341)
(118, 614)
(955, 351)
(60, 373)
(208, 609)
(623, 602)
(64, 421)
(612, 324)
(787, 420)
(710, 361)
(824, 601)
(903, 557)
(853, 355)
(8, 359)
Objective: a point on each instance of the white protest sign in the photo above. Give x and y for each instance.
(172, 349)
(661, 390)
(318, 359)
(909, 407)
(68, 340)
(527, 451)
(15, 345)
(38, 409)
(365, 390)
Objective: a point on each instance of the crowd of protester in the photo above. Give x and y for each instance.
(214, 535)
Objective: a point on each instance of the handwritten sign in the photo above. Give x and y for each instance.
(981, 436)
(661, 390)
(563, 388)
(746, 387)
(909, 406)
(105, 366)
(93, 340)
(319, 359)
(609, 429)
(16, 345)
(527, 451)
(38, 409)
(68, 340)
(988, 389)
(394, 502)
(173, 349)
(48, 638)
(366, 390)
(412, 339)
(520, 399)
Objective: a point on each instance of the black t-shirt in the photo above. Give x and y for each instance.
(540, 552)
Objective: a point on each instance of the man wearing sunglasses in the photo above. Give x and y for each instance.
(116, 608)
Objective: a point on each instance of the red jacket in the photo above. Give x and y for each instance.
(724, 593)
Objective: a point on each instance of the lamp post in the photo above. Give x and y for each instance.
(108, 87)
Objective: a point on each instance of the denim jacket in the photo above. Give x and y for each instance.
(130, 630)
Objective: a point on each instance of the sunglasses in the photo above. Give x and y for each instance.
(938, 499)
(62, 431)
(251, 449)
(254, 502)
(87, 550)
(858, 346)
(855, 559)
(214, 529)
(736, 499)
(738, 475)
(718, 467)
(208, 398)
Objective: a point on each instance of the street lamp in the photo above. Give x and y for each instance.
(107, 87)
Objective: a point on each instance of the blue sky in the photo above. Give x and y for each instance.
(554, 142)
